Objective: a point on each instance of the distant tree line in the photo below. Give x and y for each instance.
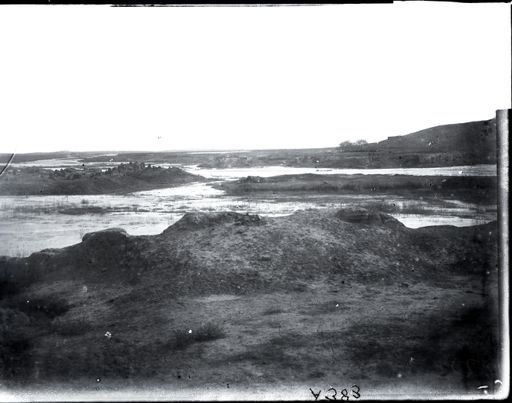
(352, 145)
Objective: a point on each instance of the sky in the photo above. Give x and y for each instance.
(89, 78)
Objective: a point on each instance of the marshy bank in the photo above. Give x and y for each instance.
(482, 189)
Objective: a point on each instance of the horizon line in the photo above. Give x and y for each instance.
(232, 149)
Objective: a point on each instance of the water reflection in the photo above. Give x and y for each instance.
(420, 220)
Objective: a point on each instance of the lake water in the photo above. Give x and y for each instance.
(32, 223)
(235, 173)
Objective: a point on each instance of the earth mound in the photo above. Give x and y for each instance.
(363, 216)
(227, 252)
(106, 235)
(125, 178)
(202, 220)
(252, 179)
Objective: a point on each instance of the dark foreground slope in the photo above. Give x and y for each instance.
(124, 178)
(313, 299)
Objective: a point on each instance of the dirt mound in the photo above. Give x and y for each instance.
(128, 310)
(107, 235)
(363, 216)
(252, 179)
(124, 178)
(207, 253)
(202, 220)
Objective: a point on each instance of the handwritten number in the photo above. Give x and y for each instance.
(344, 393)
(315, 394)
(355, 393)
(334, 396)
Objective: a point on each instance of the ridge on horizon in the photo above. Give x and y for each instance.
(237, 149)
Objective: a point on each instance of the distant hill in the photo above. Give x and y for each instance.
(472, 137)
(468, 143)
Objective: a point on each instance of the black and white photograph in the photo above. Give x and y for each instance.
(254, 202)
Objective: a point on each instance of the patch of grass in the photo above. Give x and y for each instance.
(49, 306)
(207, 332)
(279, 352)
(105, 358)
(9, 288)
(16, 278)
(463, 344)
(469, 345)
(289, 340)
(299, 287)
(272, 311)
(15, 343)
(22, 322)
(182, 339)
(76, 327)
(84, 210)
(325, 307)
